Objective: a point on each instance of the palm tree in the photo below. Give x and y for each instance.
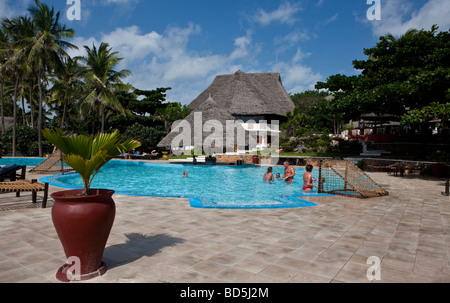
(169, 114)
(48, 48)
(102, 80)
(19, 32)
(4, 43)
(67, 86)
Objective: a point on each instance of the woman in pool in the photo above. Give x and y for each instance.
(308, 179)
(268, 176)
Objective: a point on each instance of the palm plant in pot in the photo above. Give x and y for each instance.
(83, 218)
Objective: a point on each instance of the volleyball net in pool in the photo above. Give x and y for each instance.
(344, 178)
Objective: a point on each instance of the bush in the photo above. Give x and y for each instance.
(26, 141)
(148, 136)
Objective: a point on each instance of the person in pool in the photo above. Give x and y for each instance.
(279, 176)
(308, 179)
(185, 174)
(289, 172)
(268, 176)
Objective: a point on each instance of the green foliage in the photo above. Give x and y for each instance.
(26, 141)
(318, 143)
(86, 154)
(122, 123)
(435, 111)
(172, 112)
(152, 101)
(400, 74)
(312, 114)
(307, 98)
(148, 136)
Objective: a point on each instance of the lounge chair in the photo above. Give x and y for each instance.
(26, 186)
(10, 172)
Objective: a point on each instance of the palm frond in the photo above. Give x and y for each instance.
(86, 154)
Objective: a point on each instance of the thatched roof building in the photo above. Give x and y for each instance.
(238, 97)
(241, 94)
(217, 117)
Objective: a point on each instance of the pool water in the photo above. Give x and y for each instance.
(205, 186)
(31, 162)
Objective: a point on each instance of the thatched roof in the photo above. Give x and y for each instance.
(212, 112)
(244, 94)
(236, 95)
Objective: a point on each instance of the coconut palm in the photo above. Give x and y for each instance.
(3, 45)
(19, 33)
(48, 48)
(102, 81)
(67, 86)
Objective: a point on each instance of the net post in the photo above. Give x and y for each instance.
(320, 186)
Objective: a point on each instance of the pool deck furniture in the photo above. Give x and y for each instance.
(54, 163)
(26, 186)
(10, 172)
(397, 167)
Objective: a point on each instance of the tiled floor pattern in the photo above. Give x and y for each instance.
(165, 240)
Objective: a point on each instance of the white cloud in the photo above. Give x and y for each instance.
(296, 76)
(331, 19)
(165, 60)
(241, 47)
(285, 14)
(398, 16)
(11, 8)
(122, 2)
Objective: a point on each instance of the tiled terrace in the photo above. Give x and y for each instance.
(165, 240)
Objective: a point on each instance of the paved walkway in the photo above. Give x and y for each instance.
(165, 240)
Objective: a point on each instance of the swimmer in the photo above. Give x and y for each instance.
(308, 179)
(268, 176)
(289, 172)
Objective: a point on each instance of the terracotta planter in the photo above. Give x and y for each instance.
(165, 157)
(83, 224)
(437, 170)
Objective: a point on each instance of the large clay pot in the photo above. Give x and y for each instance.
(83, 224)
(437, 170)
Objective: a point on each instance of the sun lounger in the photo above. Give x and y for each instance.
(26, 186)
(10, 172)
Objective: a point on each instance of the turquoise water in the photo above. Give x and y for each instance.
(206, 186)
(21, 161)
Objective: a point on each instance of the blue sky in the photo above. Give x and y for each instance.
(184, 44)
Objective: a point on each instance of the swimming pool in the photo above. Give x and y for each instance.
(205, 187)
(31, 162)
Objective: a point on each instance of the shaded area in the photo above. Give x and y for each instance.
(137, 246)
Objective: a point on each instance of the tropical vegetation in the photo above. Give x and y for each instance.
(400, 75)
(42, 86)
(406, 78)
